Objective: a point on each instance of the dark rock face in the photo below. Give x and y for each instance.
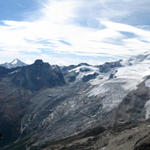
(112, 75)
(89, 77)
(16, 90)
(71, 77)
(143, 143)
(84, 70)
(12, 107)
(132, 106)
(144, 146)
(66, 68)
(38, 75)
(4, 71)
(106, 67)
(83, 64)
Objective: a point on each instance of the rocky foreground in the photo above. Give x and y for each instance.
(129, 136)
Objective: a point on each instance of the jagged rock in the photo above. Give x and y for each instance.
(143, 143)
(17, 86)
(38, 75)
(15, 63)
(108, 66)
(84, 70)
(89, 77)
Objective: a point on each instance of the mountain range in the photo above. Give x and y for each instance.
(13, 64)
(47, 107)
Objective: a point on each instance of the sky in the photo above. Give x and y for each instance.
(68, 32)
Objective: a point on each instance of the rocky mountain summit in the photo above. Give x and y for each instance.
(18, 85)
(13, 64)
(41, 104)
(38, 75)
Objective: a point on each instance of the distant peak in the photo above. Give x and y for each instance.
(15, 61)
(83, 64)
(13, 64)
(38, 62)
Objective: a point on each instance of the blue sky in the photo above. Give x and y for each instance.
(17, 9)
(72, 31)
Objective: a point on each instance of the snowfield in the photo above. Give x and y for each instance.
(127, 77)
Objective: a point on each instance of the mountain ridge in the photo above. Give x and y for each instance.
(89, 96)
(13, 64)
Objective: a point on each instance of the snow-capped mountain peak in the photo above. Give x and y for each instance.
(13, 64)
(15, 61)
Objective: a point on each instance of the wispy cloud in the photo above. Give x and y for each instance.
(78, 28)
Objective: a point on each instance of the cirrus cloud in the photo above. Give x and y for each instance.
(75, 28)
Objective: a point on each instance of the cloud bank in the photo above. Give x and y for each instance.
(74, 31)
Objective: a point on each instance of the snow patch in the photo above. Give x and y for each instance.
(91, 68)
(109, 105)
(81, 74)
(133, 75)
(112, 91)
(100, 90)
(147, 83)
(13, 72)
(14, 62)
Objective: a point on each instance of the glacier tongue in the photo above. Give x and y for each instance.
(112, 91)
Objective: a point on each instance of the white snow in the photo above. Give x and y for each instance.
(127, 79)
(14, 62)
(133, 75)
(13, 72)
(98, 87)
(108, 106)
(91, 68)
(99, 90)
(81, 74)
(128, 76)
(147, 83)
(147, 109)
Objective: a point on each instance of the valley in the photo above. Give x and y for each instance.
(47, 107)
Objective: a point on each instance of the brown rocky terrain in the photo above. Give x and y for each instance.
(129, 136)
